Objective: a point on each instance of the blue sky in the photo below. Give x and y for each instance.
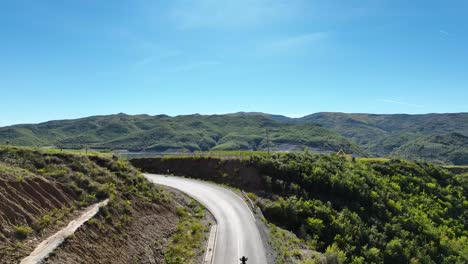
(67, 59)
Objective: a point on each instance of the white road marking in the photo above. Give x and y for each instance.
(211, 245)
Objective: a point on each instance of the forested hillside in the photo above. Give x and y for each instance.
(392, 135)
(445, 148)
(368, 211)
(180, 133)
(439, 138)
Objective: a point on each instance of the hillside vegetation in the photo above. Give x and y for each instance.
(368, 212)
(446, 148)
(439, 138)
(180, 133)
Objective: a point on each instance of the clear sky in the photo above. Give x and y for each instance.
(74, 58)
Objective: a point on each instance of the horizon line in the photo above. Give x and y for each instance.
(291, 116)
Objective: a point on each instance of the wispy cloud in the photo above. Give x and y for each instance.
(232, 13)
(443, 32)
(391, 101)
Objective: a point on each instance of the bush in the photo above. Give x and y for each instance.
(22, 232)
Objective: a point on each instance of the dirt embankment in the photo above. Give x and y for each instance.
(23, 204)
(24, 201)
(139, 235)
(233, 172)
(42, 191)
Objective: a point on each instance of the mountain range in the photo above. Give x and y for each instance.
(441, 138)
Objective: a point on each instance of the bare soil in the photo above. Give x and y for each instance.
(233, 172)
(23, 203)
(140, 240)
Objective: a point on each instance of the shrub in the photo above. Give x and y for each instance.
(22, 231)
(44, 221)
(184, 245)
(20, 178)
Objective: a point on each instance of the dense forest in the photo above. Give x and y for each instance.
(368, 211)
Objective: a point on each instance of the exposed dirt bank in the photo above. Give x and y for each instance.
(41, 191)
(234, 172)
(142, 237)
(25, 201)
(52, 242)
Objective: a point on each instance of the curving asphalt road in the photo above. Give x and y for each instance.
(237, 234)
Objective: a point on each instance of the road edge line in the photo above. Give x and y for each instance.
(214, 226)
(252, 213)
(251, 203)
(210, 248)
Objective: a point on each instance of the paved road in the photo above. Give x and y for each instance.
(237, 233)
(51, 243)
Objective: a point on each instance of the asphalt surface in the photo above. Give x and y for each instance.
(237, 234)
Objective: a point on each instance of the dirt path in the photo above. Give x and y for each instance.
(51, 243)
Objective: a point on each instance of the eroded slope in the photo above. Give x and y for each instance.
(41, 191)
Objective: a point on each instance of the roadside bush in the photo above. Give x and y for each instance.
(189, 236)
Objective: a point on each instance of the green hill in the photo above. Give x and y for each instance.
(447, 148)
(392, 135)
(431, 137)
(381, 134)
(181, 133)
